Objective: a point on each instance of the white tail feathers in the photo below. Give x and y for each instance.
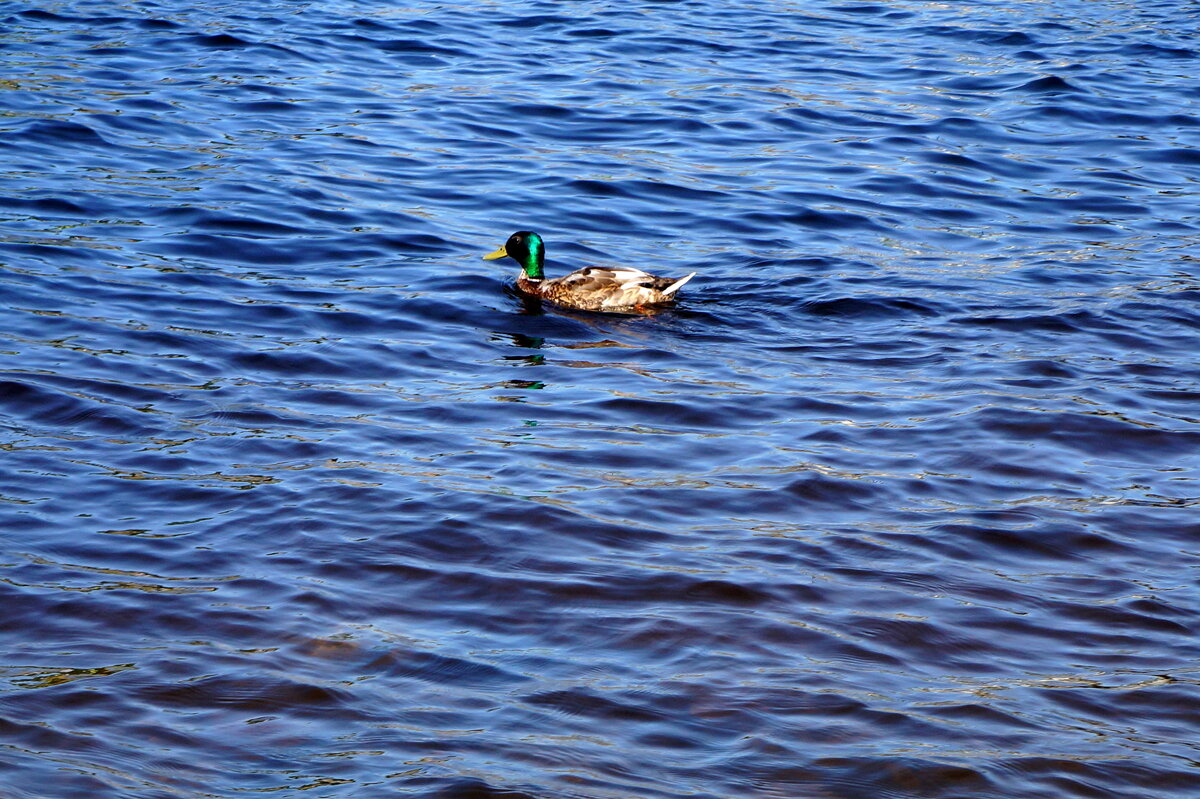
(677, 285)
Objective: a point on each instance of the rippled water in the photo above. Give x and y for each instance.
(299, 495)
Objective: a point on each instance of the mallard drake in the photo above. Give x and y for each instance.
(592, 288)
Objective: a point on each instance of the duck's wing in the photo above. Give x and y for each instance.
(608, 287)
(602, 287)
(602, 278)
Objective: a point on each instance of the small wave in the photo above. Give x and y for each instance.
(59, 132)
(873, 307)
(1189, 156)
(42, 406)
(1050, 85)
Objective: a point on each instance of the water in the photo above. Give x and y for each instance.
(300, 498)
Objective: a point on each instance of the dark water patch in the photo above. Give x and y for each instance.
(847, 777)
(246, 695)
(61, 132)
(158, 24)
(1155, 50)
(246, 225)
(1117, 620)
(1175, 155)
(541, 110)
(595, 33)
(408, 46)
(1008, 543)
(1096, 433)
(148, 126)
(443, 670)
(43, 406)
(873, 308)
(817, 220)
(990, 83)
(470, 789)
(40, 15)
(822, 489)
(1050, 84)
(228, 249)
(996, 166)
(222, 41)
(535, 21)
(264, 107)
(44, 207)
(978, 35)
(863, 9)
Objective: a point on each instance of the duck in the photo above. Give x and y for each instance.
(592, 288)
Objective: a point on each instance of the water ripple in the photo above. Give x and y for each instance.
(303, 496)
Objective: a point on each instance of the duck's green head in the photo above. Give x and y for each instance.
(526, 248)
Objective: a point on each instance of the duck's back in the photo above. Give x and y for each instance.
(596, 287)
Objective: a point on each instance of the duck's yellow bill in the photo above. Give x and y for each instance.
(498, 254)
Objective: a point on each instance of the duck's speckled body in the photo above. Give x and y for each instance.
(592, 288)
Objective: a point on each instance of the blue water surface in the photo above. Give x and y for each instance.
(300, 497)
